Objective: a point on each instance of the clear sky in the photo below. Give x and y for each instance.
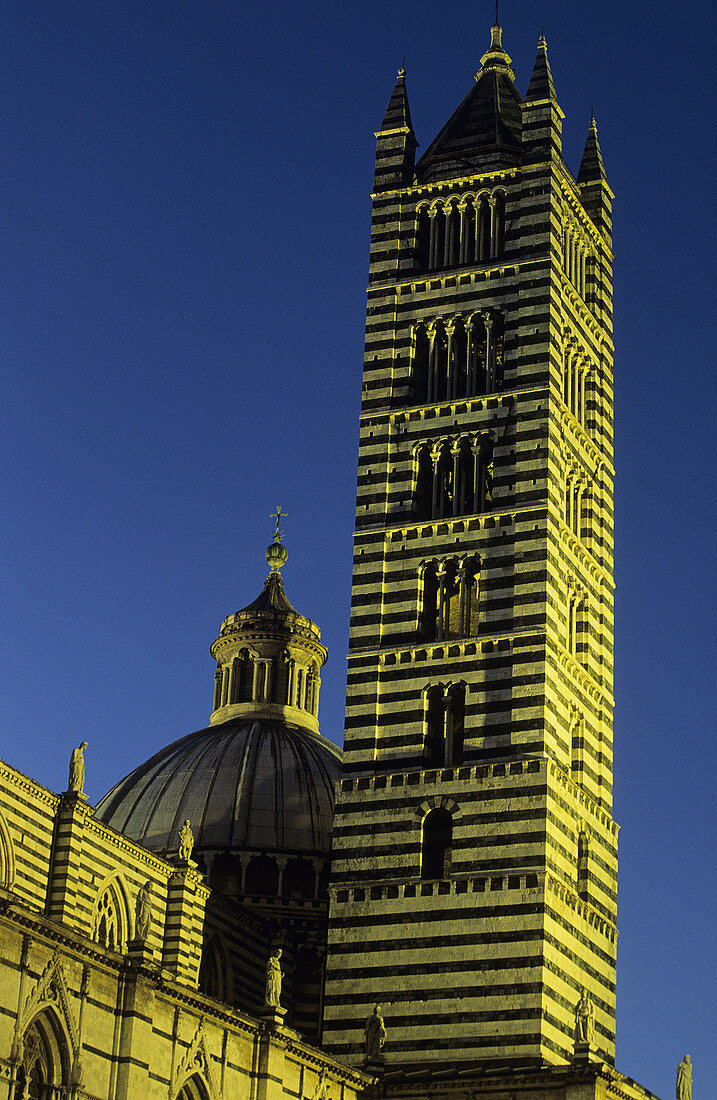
(184, 222)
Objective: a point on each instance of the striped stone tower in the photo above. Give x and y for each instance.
(475, 856)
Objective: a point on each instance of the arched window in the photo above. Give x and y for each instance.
(262, 877)
(299, 879)
(306, 992)
(436, 843)
(110, 924)
(438, 363)
(225, 875)
(260, 681)
(434, 738)
(459, 360)
(244, 677)
(280, 678)
(422, 495)
(443, 484)
(214, 971)
(483, 473)
(583, 856)
(45, 1068)
(498, 242)
(468, 237)
(450, 624)
(423, 239)
(450, 248)
(437, 237)
(428, 617)
(312, 683)
(419, 373)
(455, 712)
(463, 497)
(471, 599)
(581, 631)
(483, 230)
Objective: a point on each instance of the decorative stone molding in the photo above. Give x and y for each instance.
(7, 857)
(438, 802)
(197, 1062)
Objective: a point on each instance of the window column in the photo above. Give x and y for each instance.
(432, 238)
(489, 355)
(450, 363)
(493, 227)
(447, 236)
(441, 573)
(432, 355)
(456, 479)
(463, 255)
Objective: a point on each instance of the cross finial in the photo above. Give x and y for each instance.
(278, 515)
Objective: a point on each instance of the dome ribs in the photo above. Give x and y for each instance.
(246, 786)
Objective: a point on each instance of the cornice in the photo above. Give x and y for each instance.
(432, 651)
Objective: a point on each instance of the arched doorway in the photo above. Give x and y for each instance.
(193, 1089)
(45, 1066)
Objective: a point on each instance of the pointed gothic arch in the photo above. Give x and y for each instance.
(46, 1061)
(193, 1089)
(111, 922)
(215, 971)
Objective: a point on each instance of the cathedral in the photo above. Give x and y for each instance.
(254, 914)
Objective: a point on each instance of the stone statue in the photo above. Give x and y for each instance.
(143, 912)
(683, 1088)
(77, 769)
(375, 1032)
(186, 841)
(584, 1019)
(272, 996)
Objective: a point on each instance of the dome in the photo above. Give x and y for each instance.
(246, 785)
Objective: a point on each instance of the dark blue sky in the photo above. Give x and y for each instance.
(183, 255)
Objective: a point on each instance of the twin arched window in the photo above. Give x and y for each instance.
(449, 600)
(444, 724)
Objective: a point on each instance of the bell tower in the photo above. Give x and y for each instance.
(475, 856)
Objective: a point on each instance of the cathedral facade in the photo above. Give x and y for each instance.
(251, 915)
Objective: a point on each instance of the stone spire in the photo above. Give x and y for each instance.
(398, 112)
(591, 166)
(541, 82)
(542, 135)
(495, 59)
(395, 141)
